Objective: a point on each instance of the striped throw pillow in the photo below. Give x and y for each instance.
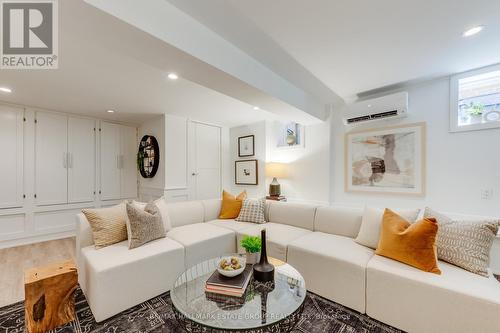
(465, 244)
(252, 210)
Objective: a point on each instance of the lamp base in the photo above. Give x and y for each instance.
(274, 188)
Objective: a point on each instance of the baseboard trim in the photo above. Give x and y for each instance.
(36, 239)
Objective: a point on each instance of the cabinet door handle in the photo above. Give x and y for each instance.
(65, 161)
(118, 161)
(70, 160)
(122, 161)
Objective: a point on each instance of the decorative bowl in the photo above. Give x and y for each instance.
(233, 262)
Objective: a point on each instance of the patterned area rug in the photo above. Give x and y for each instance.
(156, 315)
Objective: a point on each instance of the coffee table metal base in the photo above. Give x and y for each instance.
(285, 325)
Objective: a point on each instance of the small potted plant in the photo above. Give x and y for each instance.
(252, 245)
(475, 112)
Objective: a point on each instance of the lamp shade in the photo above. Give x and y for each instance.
(277, 170)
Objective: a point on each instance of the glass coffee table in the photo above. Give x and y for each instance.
(266, 307)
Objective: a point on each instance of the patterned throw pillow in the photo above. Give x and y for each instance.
(143, 226)
(108, 224)
(466, 244)
(252, 210)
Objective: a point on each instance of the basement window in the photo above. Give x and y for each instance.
(475, 100)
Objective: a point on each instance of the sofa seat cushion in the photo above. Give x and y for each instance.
(231, 224)
(278, 237)
(455, 301)
(143, 272)
(203, 241)
(332, 266)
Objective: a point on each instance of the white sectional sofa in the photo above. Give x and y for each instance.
(318, 241)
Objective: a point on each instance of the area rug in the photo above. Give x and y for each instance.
(156, 315)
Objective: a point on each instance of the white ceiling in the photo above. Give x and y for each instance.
(96, 73)
(354, 46)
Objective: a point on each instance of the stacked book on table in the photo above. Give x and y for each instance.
(234, 287)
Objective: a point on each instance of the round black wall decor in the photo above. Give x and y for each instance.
(148, 156)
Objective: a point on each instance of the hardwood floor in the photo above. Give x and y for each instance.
(14, 261)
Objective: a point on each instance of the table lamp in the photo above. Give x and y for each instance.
(275, 170)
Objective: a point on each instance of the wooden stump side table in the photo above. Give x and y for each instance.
(50, 296)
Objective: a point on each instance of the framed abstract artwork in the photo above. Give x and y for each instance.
(386, 160)
(246, 146)
(246, 172)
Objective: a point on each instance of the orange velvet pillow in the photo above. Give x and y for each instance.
(412, 244)
(231, 205)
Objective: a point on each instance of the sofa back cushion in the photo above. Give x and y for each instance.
(342, 221)
(212, 209)
(185, 212)
(296, 215)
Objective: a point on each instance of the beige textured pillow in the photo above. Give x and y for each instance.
(369, 233)
(466, 244)
(143, 226)
(108, 224)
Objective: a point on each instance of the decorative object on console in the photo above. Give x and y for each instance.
(275, 170)
(246, 172)
(289, 135)
(50, 296)
(252, 246)
(231, 205)
(387, 160)
(252, 210)
(466, 244)
(143, 226)
(263, 271)
(412, 244)
(148, 156)
(369, 232)
(246, 146)
(274, 198)
(108, 224)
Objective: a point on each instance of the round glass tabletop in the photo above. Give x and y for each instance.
(264, 304)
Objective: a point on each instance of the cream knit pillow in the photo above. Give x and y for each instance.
(369, 233)
(108, 224)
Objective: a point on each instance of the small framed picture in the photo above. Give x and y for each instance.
(246, 172)
(246, 146)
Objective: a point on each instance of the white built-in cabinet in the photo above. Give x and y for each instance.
(53, 165)
(11, 164)
(64, 159)
(81, 160)
(118, 176)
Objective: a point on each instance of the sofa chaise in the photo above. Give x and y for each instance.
(318, 241)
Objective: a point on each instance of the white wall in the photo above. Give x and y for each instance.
(308, 167)
(459, 165)
(259, 131)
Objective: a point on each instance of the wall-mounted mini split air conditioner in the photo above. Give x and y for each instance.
(376, 109)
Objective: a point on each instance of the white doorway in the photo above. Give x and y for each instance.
(206, 177)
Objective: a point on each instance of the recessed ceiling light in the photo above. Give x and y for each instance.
(369, 105)
(256, 108)
(5, 90)
(173, 76)
(110, 111)
(472, 31)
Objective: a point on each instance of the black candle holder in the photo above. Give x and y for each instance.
(263, 271)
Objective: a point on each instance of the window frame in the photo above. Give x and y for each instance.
(454, 80)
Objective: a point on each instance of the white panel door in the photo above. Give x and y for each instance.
(110, 159)
(207, 161)
(81, 160)
(11, 165)
(51, 144)
(128, 162)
